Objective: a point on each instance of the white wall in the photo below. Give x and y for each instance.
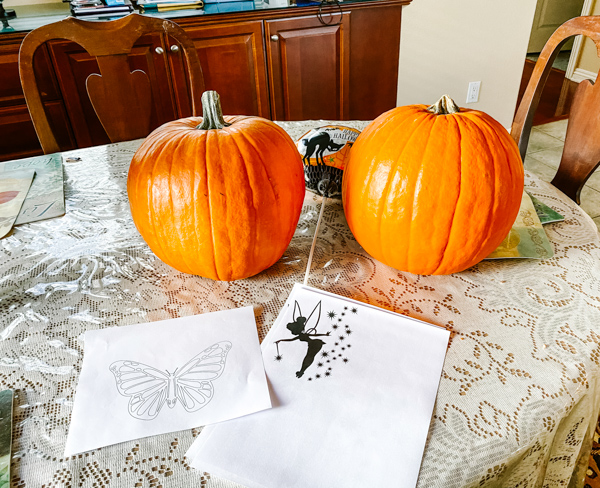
(445, 44)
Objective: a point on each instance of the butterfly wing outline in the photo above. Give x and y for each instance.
(146, 387)
(193, 382)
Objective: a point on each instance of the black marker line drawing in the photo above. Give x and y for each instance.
(297, 328)
(149, 389)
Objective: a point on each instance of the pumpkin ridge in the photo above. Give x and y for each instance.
(380, 210)
(414, 192)
(257, 152)
(151, 205)
(443, 253)
(196, 160)
(426, 118)
(472, 126)
(510, 150)
(210, 207)
(172, 159)
(494, 210)
(508, 147)
(249, 186)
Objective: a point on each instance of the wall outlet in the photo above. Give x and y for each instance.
(473, 91)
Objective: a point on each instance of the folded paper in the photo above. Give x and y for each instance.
(353, 388)
(46, 198)
(14, 186)
(161, 377)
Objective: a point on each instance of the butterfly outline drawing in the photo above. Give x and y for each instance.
(149, 389)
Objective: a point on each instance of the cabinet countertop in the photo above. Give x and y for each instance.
(30, 17)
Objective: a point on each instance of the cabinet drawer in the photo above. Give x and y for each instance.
(19, 139)
(11, 92)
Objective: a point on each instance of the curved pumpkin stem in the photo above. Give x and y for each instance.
(212, 114)
(444, 106)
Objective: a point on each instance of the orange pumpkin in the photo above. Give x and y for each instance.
(217, 197)
(432, 190)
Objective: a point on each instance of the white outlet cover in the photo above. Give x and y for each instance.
(473, 92)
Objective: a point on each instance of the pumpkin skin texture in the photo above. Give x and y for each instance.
(219, 203)
(432, 193)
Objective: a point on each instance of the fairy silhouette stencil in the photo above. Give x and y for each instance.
(299, 329)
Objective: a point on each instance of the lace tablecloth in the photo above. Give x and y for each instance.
(518, 399)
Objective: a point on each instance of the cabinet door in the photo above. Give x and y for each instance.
(308, 68)
(17, 135)
(232, 57)
(73, 65)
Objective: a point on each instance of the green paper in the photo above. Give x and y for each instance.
(527, 238)
(545, 213)
(6, 415)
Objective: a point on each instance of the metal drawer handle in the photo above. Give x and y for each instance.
(174, 48)
(275, 37)
(159, 50)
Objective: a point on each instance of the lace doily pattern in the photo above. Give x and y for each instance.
(519, 395)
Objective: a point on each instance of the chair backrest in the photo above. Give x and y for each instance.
(121, 99)
(581, 154)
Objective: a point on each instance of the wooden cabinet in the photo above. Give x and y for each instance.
(232, 57)
(17, 135)
(73, 65)
(283, 64)
(309, 68)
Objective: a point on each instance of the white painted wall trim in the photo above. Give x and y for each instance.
(578, 44)
(582, 74)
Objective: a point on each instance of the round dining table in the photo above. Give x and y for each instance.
(519, 395)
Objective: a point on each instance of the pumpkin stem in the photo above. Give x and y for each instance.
(444, 106)
(212, 114)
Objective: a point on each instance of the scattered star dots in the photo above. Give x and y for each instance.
(328, 361)
(339, 320)
(319, 365)
(354, 310)
(331, 315)
(348, 331)
(329, 369)
(317, 376)
(327, 373)
(335, 326)
(309, 379)
(337, 343)
(348, 345)
(324, 354)
(279, 357)
(345, 308)
(343, 348)
(342, 338)
(345, 360)
(334, 358)
(343, 314)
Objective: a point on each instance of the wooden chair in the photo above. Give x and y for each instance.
(121, 99)
(581, 154)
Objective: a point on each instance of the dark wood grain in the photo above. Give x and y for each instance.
(374, 51)
(123, 114)
(581, 154)
(73, 67)
(233, 52)
(308, 65)
(233, 63)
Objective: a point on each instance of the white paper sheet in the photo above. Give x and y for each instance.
(166, 376)
(357, 416)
